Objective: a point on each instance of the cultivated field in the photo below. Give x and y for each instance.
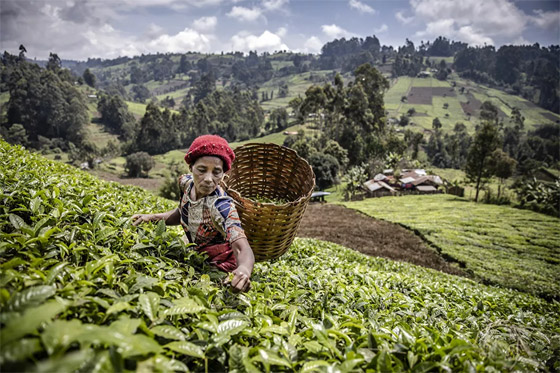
(82, 289)
(499, 245)
(432, 98)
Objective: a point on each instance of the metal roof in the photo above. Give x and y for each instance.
(319, 194)
(426, 188)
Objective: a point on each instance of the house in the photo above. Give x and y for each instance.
(378, 188)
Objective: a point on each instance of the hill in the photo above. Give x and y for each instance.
(83, 289)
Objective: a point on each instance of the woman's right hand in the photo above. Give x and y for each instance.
(138, 219)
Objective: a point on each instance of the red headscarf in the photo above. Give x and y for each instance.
(210, 145)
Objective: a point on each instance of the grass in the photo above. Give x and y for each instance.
(393, 95)
(97, 134)
(500, 245)
(136, 108)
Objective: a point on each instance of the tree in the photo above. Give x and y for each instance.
(115, 115)
(278, 120)
(205, 86)
(138, 163)
(140, 93)
(326, 168)
(44, 101)
(54, 62)
(503, 166)
(89, 78)
(404, 121)
(354, 178)
(436, 124)
(479, 168)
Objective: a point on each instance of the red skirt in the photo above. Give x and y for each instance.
(221, 256)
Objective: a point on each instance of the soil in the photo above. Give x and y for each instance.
(443, 91)
(146, 183)
(352, 229)
(420, 96)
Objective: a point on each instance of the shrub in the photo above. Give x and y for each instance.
(138, 164)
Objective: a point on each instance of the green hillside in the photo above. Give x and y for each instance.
(498, 244)
(84, 290)
(432, 98)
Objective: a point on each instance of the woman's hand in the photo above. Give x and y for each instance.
(241, 279)
(138, 219)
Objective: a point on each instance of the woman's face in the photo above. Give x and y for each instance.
(207, 172)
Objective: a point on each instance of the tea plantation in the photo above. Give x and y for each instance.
(523, 246)
(83, 290)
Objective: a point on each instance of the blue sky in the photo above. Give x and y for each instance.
(78, 29)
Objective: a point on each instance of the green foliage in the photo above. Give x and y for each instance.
(138, 164)
(326, 168)
(355, 177)
(539, 196)
(532, 67)
(44, 101)
(82, 289)
(89, 78)
(115, 115)
(500, 245)
(478, 168)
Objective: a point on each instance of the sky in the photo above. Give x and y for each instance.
(80, 29)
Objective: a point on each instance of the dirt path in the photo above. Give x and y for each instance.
(367, 235)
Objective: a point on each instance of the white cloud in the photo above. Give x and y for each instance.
(177, 4)
(313, 45)
(521, 41)
(402, 19)
(245, 14)
(335, 32)
(271, 5)
(473, 37)
(266, 42)
(488, 17)
(282, 31)
(186, 40)
(205, 24)
(437, 28)
(381, 29)
(546, 20)
(361, 7)
(154, 31)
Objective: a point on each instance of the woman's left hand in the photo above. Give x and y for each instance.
(241, 279)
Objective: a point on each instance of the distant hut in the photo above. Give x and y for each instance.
(378, 188)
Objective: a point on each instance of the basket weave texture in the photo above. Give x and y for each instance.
(269, 171)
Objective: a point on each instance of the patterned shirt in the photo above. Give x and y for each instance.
(210, 220)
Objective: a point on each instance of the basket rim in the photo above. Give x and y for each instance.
(292, 203)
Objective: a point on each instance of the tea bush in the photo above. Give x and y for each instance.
(83, 290)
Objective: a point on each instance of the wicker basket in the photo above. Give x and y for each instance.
(273, 172)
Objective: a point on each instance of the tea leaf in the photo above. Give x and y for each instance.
(149, 302)
(169, 332)
(31, 319)
(30, 297)
(186, 348)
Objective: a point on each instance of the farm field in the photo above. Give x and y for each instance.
(500, 245)
(83, 289)
(429, 95)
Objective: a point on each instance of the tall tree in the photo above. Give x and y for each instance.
(478, 168)
(89, 78)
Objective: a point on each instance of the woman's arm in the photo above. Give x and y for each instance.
(245, 261)
(172, 217)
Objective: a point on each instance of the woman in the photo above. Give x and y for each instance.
(207, 214)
